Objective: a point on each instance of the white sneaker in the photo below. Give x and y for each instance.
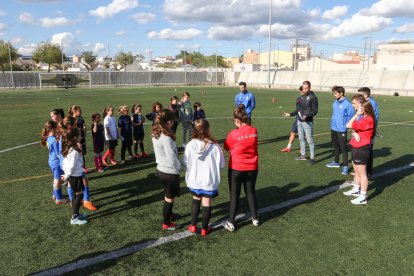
(77, 221)
(229, 226)
(351, 192)
(359, 200)
(255, 222)
(82, 216)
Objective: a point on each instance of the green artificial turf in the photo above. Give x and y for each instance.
(327, 235)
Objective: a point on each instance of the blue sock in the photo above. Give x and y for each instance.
(55, 193)
(70, 193)
(86, 193)
(59, 193)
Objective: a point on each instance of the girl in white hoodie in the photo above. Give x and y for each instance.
(73, 171)
(203, 159)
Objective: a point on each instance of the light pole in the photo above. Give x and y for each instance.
(259, 54)
(270, 43)
(11, 66)
(365, 49)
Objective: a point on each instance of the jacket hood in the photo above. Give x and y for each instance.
(200, 148)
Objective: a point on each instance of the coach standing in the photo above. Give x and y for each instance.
(246, 98)
(307, 108)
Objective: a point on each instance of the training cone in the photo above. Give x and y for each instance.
(273, 100)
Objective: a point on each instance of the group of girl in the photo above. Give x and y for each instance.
(203, 159)
(62, 135)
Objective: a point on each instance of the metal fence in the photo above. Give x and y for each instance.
(29, 80)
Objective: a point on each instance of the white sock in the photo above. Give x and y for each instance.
(289, 146)
(355, 188)
(364, 194)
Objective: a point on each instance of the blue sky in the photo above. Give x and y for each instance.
(226, 26)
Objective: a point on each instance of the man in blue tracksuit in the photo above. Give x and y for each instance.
(246, 98)
(366, 92)
(342, 112)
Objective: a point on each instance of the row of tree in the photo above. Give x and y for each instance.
(51, 54)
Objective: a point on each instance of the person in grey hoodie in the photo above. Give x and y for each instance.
(168, 165)
(186, 117)
(203, 159)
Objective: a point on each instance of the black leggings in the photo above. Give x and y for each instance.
(126, 146)
(339, 140)
(248, 180)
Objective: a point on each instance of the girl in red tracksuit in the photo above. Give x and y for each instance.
(243, 165)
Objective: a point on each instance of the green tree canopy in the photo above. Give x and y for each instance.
(89, 60)
(48, 53)
(123, 59)
(4, 54)
(200, 60)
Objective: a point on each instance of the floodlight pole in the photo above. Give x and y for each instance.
(11, 67)
(61, 50)
(216, 68)
(109, 65)
(270, 43)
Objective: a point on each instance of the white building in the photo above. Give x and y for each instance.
(395, 57)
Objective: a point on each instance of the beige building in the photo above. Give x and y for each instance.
(318, 64)
(395, 57)
(278, 59)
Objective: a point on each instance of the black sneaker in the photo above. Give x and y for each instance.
(312, 162)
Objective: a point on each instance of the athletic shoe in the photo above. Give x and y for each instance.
(82, 216)
(333, 164)
(351, 192)
(169, 227)
(285, 150)
(301, 158)
(136, 156)
(89, 205)
(344, 170)
(205, 232)
(101, 170)
(192, 228)
(229, 226)
(77, 221)
(130, 157)
(312, 161)
(122, 162)
(144, 154)
(113, 162)
(360, 200)
(61, 201)
(255, 222)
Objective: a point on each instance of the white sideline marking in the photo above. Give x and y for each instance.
(21, 146)
(178, 236)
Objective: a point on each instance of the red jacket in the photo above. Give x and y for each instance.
(242, 145)
(365, 128)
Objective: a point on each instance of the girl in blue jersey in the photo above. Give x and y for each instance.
(156, 108)
(138, 129)
(198, 112)
(49, 139)
(125, 129)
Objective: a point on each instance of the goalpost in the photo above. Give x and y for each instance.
(65, 80)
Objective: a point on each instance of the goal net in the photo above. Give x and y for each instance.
(65, 80)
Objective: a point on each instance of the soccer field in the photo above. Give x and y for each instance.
(307, 226)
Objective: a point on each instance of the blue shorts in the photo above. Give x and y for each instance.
(57, 172)
(203, 193)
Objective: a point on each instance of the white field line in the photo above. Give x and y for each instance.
(69, 267)
(219, 118)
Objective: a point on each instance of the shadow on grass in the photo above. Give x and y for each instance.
(380, 183)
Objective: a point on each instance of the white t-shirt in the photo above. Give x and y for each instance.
(110, 123)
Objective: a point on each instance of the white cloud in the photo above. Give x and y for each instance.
(17, 40)
(358, 24)
(230, 33)
(233, 12)
(115, 7)
(391, 8)
(69, 43)
(99, 47)
(406, 28)
(314, 13)
(26, 18)
(143, 17)
(3, 27)
(121, 32)
(335, 12)
(27, 49)
(47, 22)
(170, 34)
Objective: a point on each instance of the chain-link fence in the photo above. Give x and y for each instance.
(32, 79)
